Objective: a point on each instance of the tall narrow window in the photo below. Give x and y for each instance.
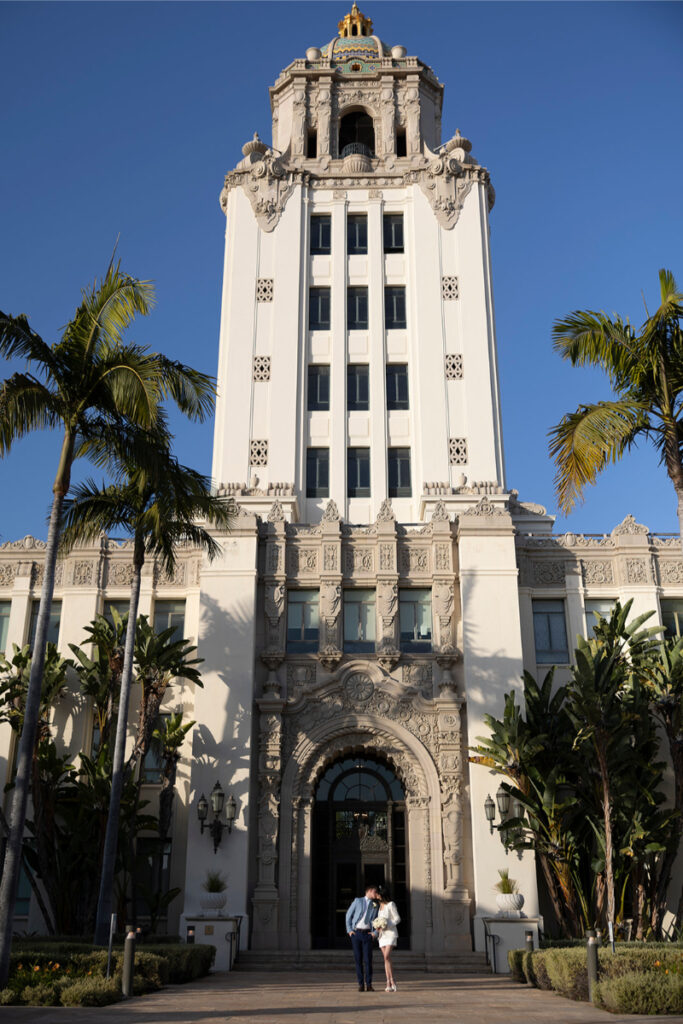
(302, 621)
(312, 144)
(53, 625)
(358, 472)
(597, 606)
(672, 617)
(394, 307)
(319, 309)
(359, 620)
(318, 473)
(318, 387)
(170, 615)
(321, 234)
(120, 606)
(393, 232)
(153, 765)
(415, 616)
(357, 233)
(358, 387)
(401, 147)
(357, 308)
(5, 608)
(550, 633)
(397, 385)
(152, 872)
(399, 473)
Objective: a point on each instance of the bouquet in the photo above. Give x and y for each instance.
(380, 923)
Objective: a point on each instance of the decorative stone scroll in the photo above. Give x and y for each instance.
(596, 571)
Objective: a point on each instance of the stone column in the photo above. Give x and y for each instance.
(266, 897)
(456, 901)
(330, 589)
(387, 589)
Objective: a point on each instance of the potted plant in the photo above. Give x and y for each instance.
(510, 901)
(214, 885)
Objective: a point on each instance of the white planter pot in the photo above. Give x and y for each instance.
(213, 901)
(509, 904)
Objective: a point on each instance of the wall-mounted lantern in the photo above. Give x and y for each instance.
(217, 799)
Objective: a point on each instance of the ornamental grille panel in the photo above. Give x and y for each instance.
(449, 288)
(454, 369)
(457, 451)
(264, 289)
(258, 455)
(261, 367)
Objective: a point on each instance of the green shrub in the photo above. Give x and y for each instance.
(567, 971)
(631, 956)
(45, 993)
(515, 958)
(539, 969)
(528, 967)
(641, 992)
(186, 962)
(9, 997)
(91, 992)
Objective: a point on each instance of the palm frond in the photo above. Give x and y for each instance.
(108, 307)
(588, 338)
(25, 405)
(18, 340)
(586, 441)
(192, 391)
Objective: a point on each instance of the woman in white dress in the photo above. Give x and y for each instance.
(388, 934)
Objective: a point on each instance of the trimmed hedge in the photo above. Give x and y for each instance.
(636, 978)
(636, 992)
(91, 992)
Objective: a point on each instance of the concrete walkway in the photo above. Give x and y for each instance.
(255, 998)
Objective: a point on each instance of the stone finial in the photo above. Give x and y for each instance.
(386, 513)
(331, 513)
(277, 513)
(629, 526)
(254, 145)
(458, 142)
(440, 513)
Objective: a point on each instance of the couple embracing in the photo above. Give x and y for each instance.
(373, 916)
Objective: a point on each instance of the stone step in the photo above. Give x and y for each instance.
(342, 960)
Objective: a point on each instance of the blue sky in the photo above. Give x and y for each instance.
(121, 120)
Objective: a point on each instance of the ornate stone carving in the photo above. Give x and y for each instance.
(637, 571)
(386, 557)
(386, 513)
(175, 578)
(266, 183)
(277, 513)
(274, 606)
(547, 572)
(414, 561)
(329, 656)
(457, 451)
(8, 572)
(331, 513)
(303, 561)
(359, 687)
(629, 527)
(440, 513)
(299, 678)
(442, 557)
(596, 571)
(419, 675)
(671, 572)
(27, 543)
(120, 574)
(274, 558)
(444, 186)
(360, 561)
(484, 507)
(82, 574)
(387, 603)
(330, 558)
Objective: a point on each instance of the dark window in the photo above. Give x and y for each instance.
(358, 387)
(170, 615)
(358, 472)
(153, 764)
(357, 309)
(153, 873)
(319, 309)
(399, 473)
(550, 633)
(318, 388)
(5, 608)
(393, 232)
(53, 624)
(602, 606)
(122, 607)
(23, 898)
(672, 617)
(321, 234)
(356, 134)
(415, 616)
(397, 385)
(359, 620)
(401, 148)
(302, 621)
(312, 144)
(357, 234)
(395, 306)
(318, 473)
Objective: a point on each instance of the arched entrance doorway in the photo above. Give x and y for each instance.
(359, 838)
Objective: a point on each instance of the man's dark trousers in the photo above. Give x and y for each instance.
(362, 954)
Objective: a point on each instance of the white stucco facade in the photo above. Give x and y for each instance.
(274, 713)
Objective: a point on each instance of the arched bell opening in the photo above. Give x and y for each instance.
(359, 838)
(356, 134)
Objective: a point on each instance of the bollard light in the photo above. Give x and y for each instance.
(190, 934)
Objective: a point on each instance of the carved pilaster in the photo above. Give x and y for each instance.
(266, 896)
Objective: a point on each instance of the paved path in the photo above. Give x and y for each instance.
(255, 998)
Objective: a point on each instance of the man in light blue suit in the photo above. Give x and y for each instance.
(359, 918)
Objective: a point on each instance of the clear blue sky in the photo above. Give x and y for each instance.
(121, 119)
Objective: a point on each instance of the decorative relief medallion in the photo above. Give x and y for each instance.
(264, 289)
(547, 572)
(360, 560)
(414, 561)
(637, 571)
(596, 571)
(303, 561)
(261, 368)
(454, 366)
(120, 574)
(82, 574)
(457, 451)
(359, 687)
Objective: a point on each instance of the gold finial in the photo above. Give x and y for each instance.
(355, 24)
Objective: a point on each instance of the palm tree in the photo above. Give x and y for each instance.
(91, 386)
(160, 506)
(645, 370)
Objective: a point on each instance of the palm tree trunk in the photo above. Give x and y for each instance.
(104, 903)
(27, 740)
(607, 814)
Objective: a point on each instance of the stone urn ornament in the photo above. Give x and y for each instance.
(215, 896)
(510, 901)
